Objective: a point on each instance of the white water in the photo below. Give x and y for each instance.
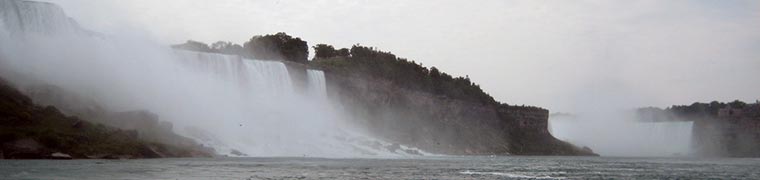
(317, 85)
(223, 101)
(48, 18)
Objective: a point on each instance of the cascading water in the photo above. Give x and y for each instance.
(45, 18)
(673, 137)
(316, 84)
(272, 121)
(224, 101)
(253, 75)
(616, 135)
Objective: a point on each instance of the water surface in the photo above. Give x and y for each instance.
(425, 168)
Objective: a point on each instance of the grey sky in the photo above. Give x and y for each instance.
(555, 54)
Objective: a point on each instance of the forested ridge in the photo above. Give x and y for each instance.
(357, 59)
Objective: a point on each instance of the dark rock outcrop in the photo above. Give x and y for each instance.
(138, 124)
(30, 131)
(25, 148)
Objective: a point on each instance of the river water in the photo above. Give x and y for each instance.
(418, 168)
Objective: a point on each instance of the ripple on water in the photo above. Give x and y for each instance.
(509, 175)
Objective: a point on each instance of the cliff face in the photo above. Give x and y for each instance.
(720, 129)
(444, 125)
(735, 132)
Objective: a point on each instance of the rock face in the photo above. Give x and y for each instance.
(443, 125)
(735, 132)
(720, 129)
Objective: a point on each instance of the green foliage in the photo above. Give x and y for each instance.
(324, 51)
(400, 71)
(357, 59)
(278, 46)
(343, 52)
(227, 48)
(698, 109)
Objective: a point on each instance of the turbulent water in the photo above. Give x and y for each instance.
(428, 168)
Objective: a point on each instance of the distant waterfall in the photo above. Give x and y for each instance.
(616, 135)
(670, 138)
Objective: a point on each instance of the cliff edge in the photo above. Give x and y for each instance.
(445, 125)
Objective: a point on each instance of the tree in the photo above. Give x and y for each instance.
(737, 104)
(227, 48)
(193, 46)
(343, 52)
(322, 51)
(279, 46)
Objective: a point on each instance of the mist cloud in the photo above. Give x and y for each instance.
(556, 54)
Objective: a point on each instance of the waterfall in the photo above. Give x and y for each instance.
(316, 84)
(253, 75)
(616, 135)
(274, 119)
(21, 17)
(669, 138)
(227, 102)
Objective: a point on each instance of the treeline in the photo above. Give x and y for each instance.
(400, 71)
(704, 109)
(278, 46)
(357, 59)
(695, 110)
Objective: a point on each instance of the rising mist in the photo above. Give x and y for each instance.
(223, 101)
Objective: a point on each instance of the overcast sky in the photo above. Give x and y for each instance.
(558, 54)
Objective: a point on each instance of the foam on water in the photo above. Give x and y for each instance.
(508, 175)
